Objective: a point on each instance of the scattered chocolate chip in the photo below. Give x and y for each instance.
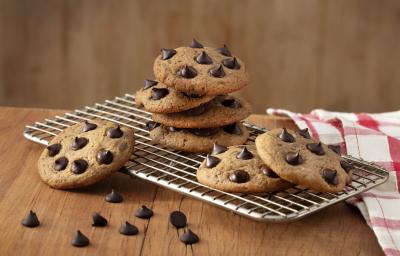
(217, 71)
(232, 129)
(239, 176)
(98, 220)
(304, 133)
(149, 83)
(192, 95)
(80, 240)
(268, 172)
(231, 63)
(54, 149)
(224, 51)
(189, 237)
(316, 148)
(330, 176)
(114, 197)
(178, 219)
(187, 72)
(128, 229)
(31, 220)
(218, 149)
(167, 53)
(212, 161)
(244, 154)
(158, 93)
(89, 126)
(79, 166)
(104, 157)
(285, 136)
(231, 103)
(173, 129)
(79, 142)
(203, 58)
(335, 148)
(151, 125)
(195, 44)
(60, 164)
(205, 132)
(143, 212)
(346, 166)
(195, 111)
(115, 133)
(293, 158)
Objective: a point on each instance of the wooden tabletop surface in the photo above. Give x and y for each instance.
(338, 230)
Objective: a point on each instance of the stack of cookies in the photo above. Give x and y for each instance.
(189, 98)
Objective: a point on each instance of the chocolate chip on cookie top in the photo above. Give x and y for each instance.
(195, 44)
(316, 148)
(244, 154)
(158, 93)
(89, 126)
(115, 133)
(104, 157)
(286, 136)
(167, 53)
(239, 176)
(304, 133)
(54, 149)
(79, 166)
(268, 171)
(79, 143)
(212, 161)
(218, 149)
(203, 58)
(293, 158)
(149, 83)
(60, 164)
(187, 72)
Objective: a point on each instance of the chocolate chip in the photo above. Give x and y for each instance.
(206, 132)
(244, 154)
(293, 158)
(212, 161)
(195, 111)
(115, 133)
(189, 237)
(285, 136)
(239, 176)
(268, 172)
(192, 95)
(195, 44)
(79, 143)
(98, 220)
(149, 83)
(346, 165)
(178, 219)
(217, 71)
(203, 58)
(151, 125)
(231, 103)
(304, 133)
(31, 220)
(158, 93)
(104, 157)
(173, 129)
(218, 149)
(335, 148)
(231, 63)
(54, 149)
(80, 240)
(232, 129)
(89, 126)
(330, 176)
(224, 51)
(167, 53)
(187, 72)
(316, 148)
(60, 164)
(128, 229)
(114, 197)
(143, 212)
(79, 166)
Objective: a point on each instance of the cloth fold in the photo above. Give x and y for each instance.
(374, 138)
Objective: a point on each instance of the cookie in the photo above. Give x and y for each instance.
(202, 70)
(301, 160)
(238, 169)
(85, 153)
(222, 110)
(158, 98)
(197, 140)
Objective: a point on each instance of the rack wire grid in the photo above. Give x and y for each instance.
(176, 170)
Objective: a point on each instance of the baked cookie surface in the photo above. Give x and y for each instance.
(220, 111)
(301, 160)
(199, 69)
(85, 153)
(238, 169)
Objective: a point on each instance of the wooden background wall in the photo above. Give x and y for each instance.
(301, 54)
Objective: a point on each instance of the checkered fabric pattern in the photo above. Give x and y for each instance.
(372, 137)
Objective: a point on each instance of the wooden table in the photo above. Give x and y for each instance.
(338, 230)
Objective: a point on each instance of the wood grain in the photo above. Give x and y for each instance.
(339, 230)
(302, 54)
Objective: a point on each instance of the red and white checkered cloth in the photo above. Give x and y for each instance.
(372, 137)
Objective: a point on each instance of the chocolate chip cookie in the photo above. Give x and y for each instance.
(238, 169)
(158, 98)
(197, 140)
(220, 111)
(85, 153)
(200, 69)
(299, 159)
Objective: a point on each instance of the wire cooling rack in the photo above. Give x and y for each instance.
(176, 170)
